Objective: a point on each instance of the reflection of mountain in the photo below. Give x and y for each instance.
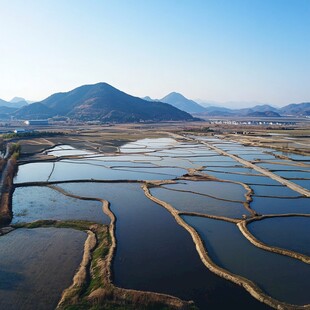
(104, 103)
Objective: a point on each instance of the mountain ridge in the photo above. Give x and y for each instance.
(183, 103)
(102, 102)
(105, 103)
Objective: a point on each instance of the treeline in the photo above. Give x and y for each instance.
(32, 134)
(201, 129)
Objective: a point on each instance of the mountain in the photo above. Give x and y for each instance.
(296, 109)
(6, 112)
(256, 111)
(102, 102)
(264, 108)
(13, 104)
(148, 98)
(182, 103)
(35, 110)
(3, 103)
(218, 111)
(263, 114)
(18, 102)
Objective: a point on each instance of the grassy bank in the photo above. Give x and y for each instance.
(92, 287)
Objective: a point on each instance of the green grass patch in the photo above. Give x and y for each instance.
(78, 225)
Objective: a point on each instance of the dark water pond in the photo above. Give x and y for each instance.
(247, 179)
(69, 171)
(134, 158)
(298, 157)
(220, 159)
(62, 170)
(274, 191)
(294, 174)
(43, 203)
(282, 277)
(243, 151)
(177, 162)
(237, 170)
(303, 183)
(190, 202)
(34, 172)
(292, 233)
(36, 265)
(256, 156)
(154, 253)
(109, 164)
(281, 167)
(266, 205)
(222, 164)
(224, 190)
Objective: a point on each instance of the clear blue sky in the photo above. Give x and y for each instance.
(221, 50)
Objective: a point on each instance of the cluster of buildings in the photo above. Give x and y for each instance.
(251, 122)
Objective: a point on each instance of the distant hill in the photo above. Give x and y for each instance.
(263, 114)
(11, 104)
(102, 102)
(300, 109)
(34, 111)
(264, 108)
(105, 103)
(5, 112)
(217, 111)
(19, 102)
(148, 98)
(182, 103)
(3, 103)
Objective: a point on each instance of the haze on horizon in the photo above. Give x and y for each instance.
(217, 50)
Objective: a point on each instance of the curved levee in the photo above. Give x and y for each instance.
(250, 286)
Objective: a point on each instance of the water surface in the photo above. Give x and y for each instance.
(274, 191)
(154, 253)
(292, 233)
(190, 202)
(281, 277)
(43, 203)
(224, 190)
(266, 205)
(36, 265)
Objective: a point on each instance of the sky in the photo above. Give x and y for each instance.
(217, 50)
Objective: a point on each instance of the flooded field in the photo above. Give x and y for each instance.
(292, 233)
(290, 278)
(36, 265)
(154, 253)
(42, 203)
(191, 202)
(176, 205)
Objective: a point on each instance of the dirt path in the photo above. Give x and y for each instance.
(291, 185)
